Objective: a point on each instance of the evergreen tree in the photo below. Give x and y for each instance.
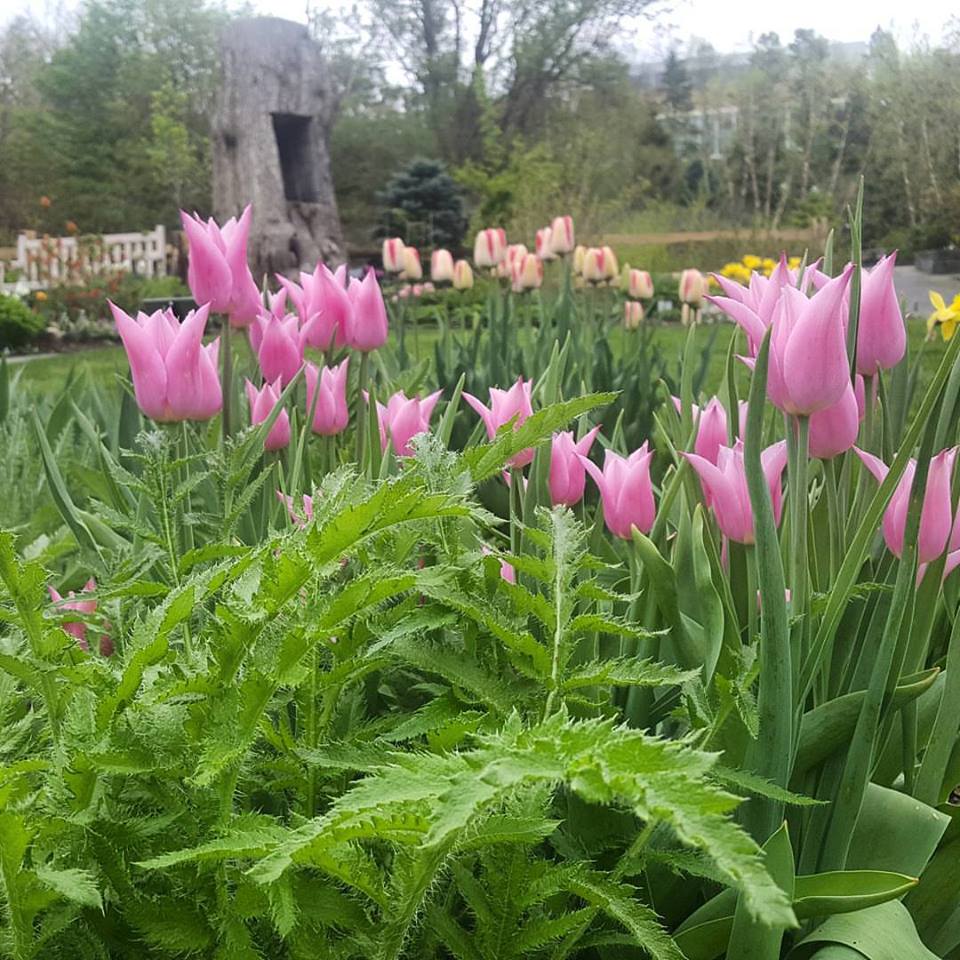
(424, 205)
(676, 83)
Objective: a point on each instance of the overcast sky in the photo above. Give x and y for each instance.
(728, 25)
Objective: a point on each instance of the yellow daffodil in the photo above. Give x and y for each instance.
(794, 263)
(947, 317)
(751, 261)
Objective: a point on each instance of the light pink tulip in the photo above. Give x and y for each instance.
(393, 255)
(725, 487)
(278, 346)
(331, 415)
(403, 418)
(881, 334)
(262, 403)
(76, 628)
(626, 491)
(567, 473)
(441, 266)
(506, 570)
(639, 285)
(834, 429)
(174, 374)
(368, 329)
(808, 369)
(462, 275)
(412, 268)
(543, 244)
(632, 314)
(504, 406)
(218, 273)
(561, 235)
(527, 273)
(692, 287)
(489, 247)
(936, 514)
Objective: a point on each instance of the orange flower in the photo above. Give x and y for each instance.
(45, 201)
(41, 296)
(71, 227)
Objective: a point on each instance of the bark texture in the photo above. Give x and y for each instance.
(271, 125)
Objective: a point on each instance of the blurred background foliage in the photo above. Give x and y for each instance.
(527, 108)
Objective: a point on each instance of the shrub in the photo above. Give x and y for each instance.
(18, 323)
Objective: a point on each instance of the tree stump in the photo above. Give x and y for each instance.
(271, 125)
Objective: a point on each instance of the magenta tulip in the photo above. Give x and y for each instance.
(297, 519)
(174, 374)
(808, 368)
(505, 405)
(278, 346)
(834, 429)
(403, 418)
(368, 329)
(725, 487)
(881, 334)
(76, 628)
(262, 403)
(331, 415)
(711, 421)
(567, 474)
(936, 515)
(218, 273)
(626, 491)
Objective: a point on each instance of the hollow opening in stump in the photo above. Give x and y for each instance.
(297, 166)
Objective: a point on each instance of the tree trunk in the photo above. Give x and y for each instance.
(270, 130)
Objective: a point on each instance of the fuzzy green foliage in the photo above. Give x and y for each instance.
(18, 323)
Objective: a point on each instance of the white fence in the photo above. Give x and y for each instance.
(43, 262)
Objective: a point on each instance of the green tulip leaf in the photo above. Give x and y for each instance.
(844, 891)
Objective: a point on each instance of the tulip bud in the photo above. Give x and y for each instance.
(567, 473)
(393, 255)
(331, 414)
(639, 285)
(441, 266)
(411, 264)
(403, 418)
(511, 258)
(881, 334)
(580, 251)
(834, 429)
(504, 406)
(262, 403)
(368, 327)
(626, 491)
(462, 275)
(561, 235)
(632, 314)
(692, 287)
(610, 267)
(542, 245)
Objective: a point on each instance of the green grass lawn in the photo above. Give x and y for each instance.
(48, 375)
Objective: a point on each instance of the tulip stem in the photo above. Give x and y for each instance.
(799, 450)
(753, 596)
(226, 377)
(361, 413)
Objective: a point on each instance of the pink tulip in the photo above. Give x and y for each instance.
(403, 418)
(752, 307)
(561, 235)
(506, 570)
(331, 415)
(76, 628)
(278, 346)
(297, 519)
(543, 244)
(393, 255)
(711, 422)
(808, 368)
(321, 302)
(504, 406)
(369, 327)
(489, 247)
(881, 334)
(441, 266)
(834, 429)
(625, 490)
(218, 273)
(936, 513)
(567, 473)
(725, 487)
(174, 374)
(262, 403)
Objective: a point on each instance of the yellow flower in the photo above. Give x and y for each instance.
(794, 263)
(751, 261)
(947, 317)
(40, 295)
